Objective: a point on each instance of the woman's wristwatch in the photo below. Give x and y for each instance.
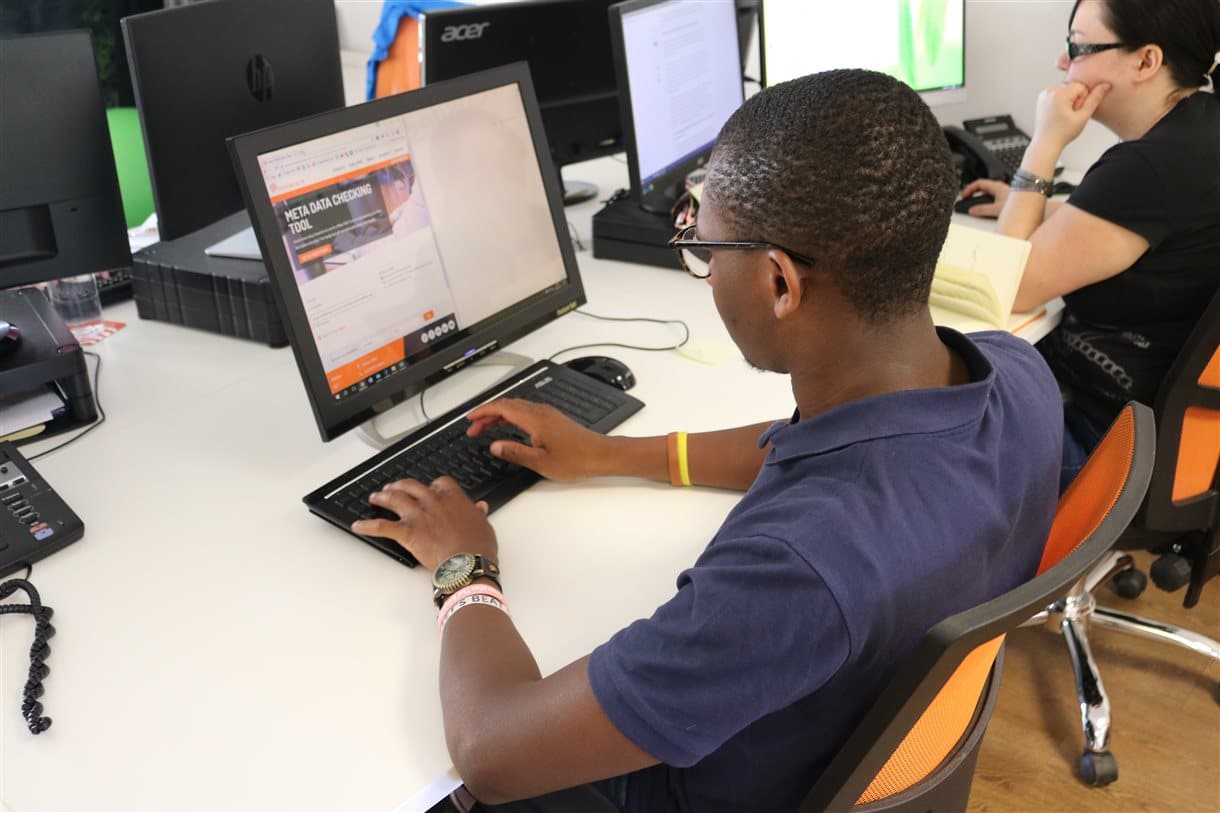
(459, 570)
(1025, 181)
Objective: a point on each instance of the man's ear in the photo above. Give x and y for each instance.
(789, 287)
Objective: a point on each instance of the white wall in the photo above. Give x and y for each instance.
(1011, 47)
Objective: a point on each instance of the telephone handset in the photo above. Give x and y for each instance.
(990, 147)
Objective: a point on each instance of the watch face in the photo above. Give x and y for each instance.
(453, 571)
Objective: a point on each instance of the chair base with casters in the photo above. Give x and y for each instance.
(1072, 616)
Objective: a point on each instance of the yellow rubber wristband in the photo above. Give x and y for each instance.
(683, 467)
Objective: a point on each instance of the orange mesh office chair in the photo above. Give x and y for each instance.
(1179, 520)
(916, 748)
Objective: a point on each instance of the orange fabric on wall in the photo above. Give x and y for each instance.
(399, 71)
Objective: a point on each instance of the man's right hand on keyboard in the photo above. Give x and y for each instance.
(562, 449)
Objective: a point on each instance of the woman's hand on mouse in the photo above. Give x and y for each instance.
(997, 189)
(561, 448)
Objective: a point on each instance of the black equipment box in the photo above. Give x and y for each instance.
(624, 231)
(175, 281)
(48, 355)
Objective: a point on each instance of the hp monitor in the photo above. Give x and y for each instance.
(209, 70)
(919, 42)
(567, 46)
(408, 236)
(680, 78)
(60, 211)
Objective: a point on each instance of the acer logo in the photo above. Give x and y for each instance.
(456, 33)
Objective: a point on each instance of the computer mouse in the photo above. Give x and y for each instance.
(962, 207)
(10, 338)
(605, 369)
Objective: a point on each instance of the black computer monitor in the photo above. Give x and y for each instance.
(60, 210)
(209, 70)
(680, 79)
(408, 236)
(567, 46)
(919, 42)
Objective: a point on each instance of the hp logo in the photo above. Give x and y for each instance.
(260, 78)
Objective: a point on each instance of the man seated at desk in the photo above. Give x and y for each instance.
(918, 477)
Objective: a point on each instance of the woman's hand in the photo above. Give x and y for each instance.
(997, 189)
(561, 448)
(434, 521)
(1064, 110)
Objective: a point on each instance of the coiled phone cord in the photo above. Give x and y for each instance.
(31, 709)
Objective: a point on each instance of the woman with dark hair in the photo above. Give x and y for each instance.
(1135, 250)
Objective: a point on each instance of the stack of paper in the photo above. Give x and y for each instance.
(976, 279)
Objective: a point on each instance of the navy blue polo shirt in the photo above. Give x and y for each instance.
(865, 527)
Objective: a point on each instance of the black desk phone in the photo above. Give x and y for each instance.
(34, 520)
(990, 147)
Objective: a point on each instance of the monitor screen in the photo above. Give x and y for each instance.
(408, 236)
(919, 42)
(206, 71)
(60, 210)
(567, 46)
(680, 71)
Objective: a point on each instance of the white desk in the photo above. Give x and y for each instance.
(220, 648)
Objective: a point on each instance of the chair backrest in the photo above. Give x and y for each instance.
(906, 747)
(1184, 495)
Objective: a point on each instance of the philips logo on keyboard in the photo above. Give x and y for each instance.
(542, 382)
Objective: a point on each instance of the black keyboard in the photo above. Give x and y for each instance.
(441, 447)
(34, 520)
(114, 285)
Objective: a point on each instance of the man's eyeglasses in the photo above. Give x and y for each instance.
(1079, 49)
(695, 255)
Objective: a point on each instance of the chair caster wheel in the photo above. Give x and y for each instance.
(1129, 583)
(1098, 768)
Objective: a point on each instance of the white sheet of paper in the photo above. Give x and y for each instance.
(22, 410)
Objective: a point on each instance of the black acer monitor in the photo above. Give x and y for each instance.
(60, 210)
(408, 236)
(567, 46)
(209, 70)
(679, 73)
(918, 42)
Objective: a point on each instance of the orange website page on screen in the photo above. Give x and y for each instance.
(356, 228)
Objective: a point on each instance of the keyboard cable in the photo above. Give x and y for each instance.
(683, 325)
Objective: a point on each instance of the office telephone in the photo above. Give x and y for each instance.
(990, 147)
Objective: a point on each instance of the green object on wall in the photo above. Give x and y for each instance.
(127, 141)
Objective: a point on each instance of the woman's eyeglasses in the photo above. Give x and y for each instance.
(1079, 49)
(695, 255)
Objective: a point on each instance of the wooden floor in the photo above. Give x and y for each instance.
(1165, 718)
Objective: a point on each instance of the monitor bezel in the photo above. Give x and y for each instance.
(933, 97)
(657, 201)
(335, 418)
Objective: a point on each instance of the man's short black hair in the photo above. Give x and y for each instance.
(849, 167)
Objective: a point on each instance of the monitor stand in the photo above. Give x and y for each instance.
(399, 421)
(661, 200)
(578, 192)
(575, 191)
